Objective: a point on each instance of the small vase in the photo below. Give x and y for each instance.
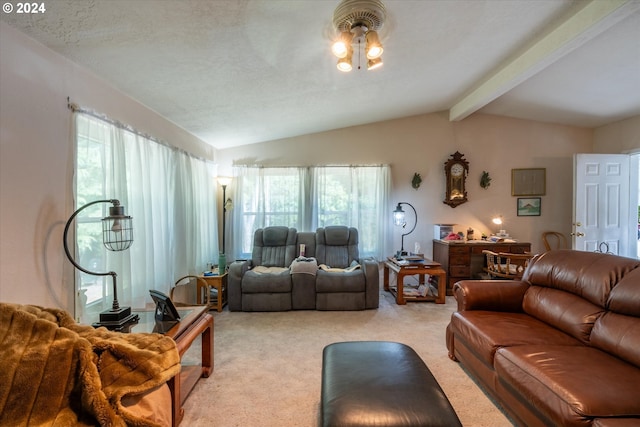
(222, 263)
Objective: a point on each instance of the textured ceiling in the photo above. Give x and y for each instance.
(237, 72)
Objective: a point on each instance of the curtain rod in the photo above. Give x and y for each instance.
(75, 108)
(312, 166)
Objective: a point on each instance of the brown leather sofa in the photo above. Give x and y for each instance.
(561, 347)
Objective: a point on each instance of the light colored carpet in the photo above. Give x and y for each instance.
(268, 366)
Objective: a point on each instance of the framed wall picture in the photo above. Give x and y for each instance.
(528, 182)
(529, 206)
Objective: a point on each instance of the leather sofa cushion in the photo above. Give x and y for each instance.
(586, 274)
(616, 422)
(618, 335)
(487, 331)
(573, 382)
(266, 282)
(563, 310)
(625, 298)
(348, 281)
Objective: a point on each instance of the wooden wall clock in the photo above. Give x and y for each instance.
(456, 170)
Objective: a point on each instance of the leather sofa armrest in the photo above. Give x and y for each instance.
(234, 284)
(490, 295)
(372, 282)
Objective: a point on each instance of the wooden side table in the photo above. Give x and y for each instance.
(204, 292)
(421, 269)
(195, 322)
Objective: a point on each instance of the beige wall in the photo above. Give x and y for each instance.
(422, 144)
(619, 137)
(36, 162)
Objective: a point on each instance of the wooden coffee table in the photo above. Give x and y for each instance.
(422, 269)
(194, 322)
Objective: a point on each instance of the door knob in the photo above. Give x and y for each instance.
(578, 234)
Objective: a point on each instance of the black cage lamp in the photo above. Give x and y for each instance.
(399, 220)
(117, 235)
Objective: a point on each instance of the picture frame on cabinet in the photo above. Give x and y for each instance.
(529, 206)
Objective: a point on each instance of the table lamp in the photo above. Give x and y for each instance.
(499, 221)
(399, 220)
(117, 235)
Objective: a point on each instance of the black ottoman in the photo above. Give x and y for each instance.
(378, 383)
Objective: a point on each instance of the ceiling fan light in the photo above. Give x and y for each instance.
(372, 64)
(358, 21)
(340, 47)
(344, 64)
(374, 47)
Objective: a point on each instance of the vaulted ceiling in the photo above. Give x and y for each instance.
(236, 72)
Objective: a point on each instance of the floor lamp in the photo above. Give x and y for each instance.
(224, 181)
(399, 220)
(117, 235)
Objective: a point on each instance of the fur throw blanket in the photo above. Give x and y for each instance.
(55, 372)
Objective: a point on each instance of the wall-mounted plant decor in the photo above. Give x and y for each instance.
(416, 181)
(485, 180)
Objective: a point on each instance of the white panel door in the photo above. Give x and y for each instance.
(601, 212)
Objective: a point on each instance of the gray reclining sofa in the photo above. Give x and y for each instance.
(269, 282)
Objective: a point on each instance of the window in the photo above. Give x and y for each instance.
(90, 185)
(170, 196)
(355, 196)
(308, 198)
(267, 196)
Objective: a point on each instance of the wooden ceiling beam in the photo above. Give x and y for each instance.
(586, 23)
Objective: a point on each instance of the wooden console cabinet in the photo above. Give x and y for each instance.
(464, 260)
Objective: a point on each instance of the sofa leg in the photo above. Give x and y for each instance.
(450, 344)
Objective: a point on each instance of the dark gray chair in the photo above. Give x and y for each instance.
(251, 286)
(337, 247)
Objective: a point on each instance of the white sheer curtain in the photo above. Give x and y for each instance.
(356, 196)
(141, 176)
(266, 197)
(171, 197)
(196, 231)
(306, 198)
